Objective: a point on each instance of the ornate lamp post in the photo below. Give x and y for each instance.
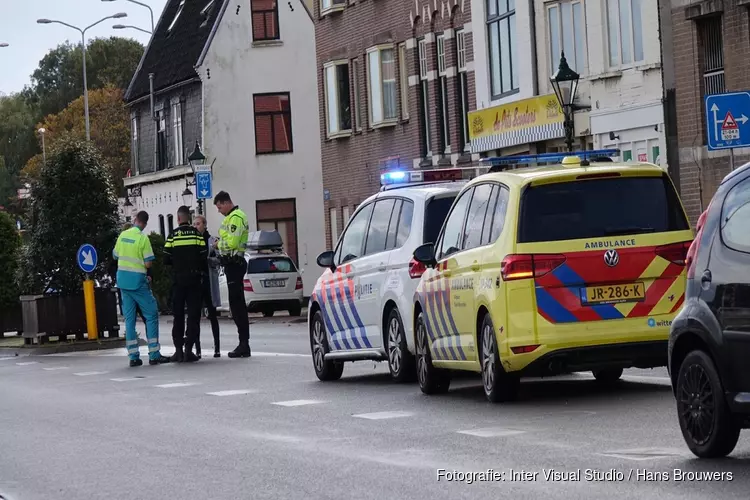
(565, 83)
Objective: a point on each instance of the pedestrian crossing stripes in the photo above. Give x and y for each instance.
(88, 374)
(176, 384)
(492, 432)
(55, 368)
(234, 392)
(384, 415)
(126, 379)
(26, 363)
(298, 402)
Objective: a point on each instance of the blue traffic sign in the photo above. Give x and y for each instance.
(87, 258)
(204, 184)
(726, 120)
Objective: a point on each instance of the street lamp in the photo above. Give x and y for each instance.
(125, 26)
(196, 158)
(119, 15)
(142, 5)
(187, 198)
(42, 131)
(565, 83)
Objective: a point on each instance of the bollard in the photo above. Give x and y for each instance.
(90, 303)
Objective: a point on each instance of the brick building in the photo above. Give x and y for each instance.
(705, 48)
(395, 84)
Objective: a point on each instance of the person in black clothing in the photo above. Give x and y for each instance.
(211, 293)
(186, 251)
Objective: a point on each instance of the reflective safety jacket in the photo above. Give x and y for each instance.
(233, 234)
(132, 251)
(186, 251)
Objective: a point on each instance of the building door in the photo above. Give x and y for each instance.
(281, 216)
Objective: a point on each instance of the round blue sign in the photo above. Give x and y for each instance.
(87, 258)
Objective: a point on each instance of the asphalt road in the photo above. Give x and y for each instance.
(86, 426)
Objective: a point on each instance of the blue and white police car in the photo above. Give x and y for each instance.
(361, 306)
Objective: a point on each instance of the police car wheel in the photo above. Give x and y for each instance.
(325, 370)
(401, 362)
(498, 385)
(431, 380)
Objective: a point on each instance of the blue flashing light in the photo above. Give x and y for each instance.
(395, 176)
(551, 157)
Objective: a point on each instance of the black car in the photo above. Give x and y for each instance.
(709, 342)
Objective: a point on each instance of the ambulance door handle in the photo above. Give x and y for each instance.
(475, 266)
(382, 267)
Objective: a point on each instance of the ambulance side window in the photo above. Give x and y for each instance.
(352, 242)
(498, 217)
(472, 237)
(453, 228)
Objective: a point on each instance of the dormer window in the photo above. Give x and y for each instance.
(176, 16)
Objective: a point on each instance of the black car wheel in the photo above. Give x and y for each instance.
(431, 380)
(295, 311)
(326, 370)
(607, 375)
(708, 426)
(401, 362)
(498, 384)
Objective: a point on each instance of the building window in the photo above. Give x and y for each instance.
(501, 25)
(265, 19)
(567, 33)
(625, 28)
(357, 101)
(170, 223)
(273, 123)
(338, 101)
(346, 214)
(463, 88)
(334, 228)
(179, 150)
(381, 71)
(161, 226)
(161, 143)
(134, 142)
(404, 81)
(424, 94)
(712, 44)
(443, 89)
(326, 5)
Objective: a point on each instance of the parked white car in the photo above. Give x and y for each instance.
(272, 282)
(361, 307)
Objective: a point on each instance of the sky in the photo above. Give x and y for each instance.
(29, 41)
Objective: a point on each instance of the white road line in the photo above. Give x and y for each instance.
(652, 380)
(6, 359)
(298, 402)
(279, 354)
(26, 363)
(126, 379)
(233, 392)
(87, 374)
(56, 368)
(176, 384)
(492, 432)
(382, 415)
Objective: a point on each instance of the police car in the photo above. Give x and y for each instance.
(576, 266)
(361, 306)
(272, 282)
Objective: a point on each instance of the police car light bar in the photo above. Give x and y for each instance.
(417, 176)
(551, 157)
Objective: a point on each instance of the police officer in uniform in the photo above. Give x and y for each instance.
(232, 243)
(186, 251)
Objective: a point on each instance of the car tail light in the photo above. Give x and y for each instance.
(247, 285)
(416, 269)
(675, 253)
(524, 349)
(520, 267)
(298, 285)
(692, 252)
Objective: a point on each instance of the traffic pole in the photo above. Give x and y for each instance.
(90, 304)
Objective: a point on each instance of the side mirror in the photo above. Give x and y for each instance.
(326, 260)
(425, 254)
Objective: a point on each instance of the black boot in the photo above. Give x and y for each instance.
(136, 362)
(242, 351)
(190, 357)
(178, 356)
(159, 361)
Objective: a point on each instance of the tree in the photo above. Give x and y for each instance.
(7, 186)
(73, 203)
(17, 133)
(10, 242)
(58, 80)
(110, 132)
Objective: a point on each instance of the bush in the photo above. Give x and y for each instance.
(10, 244)
(73, 203)
(161, 286)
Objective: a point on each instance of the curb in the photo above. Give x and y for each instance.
(94, 345)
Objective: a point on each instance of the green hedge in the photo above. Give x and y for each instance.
(10, 245)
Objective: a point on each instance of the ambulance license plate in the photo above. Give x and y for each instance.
(613, 294)
(274, 283)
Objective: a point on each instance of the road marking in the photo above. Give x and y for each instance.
(87, 374)
(641, 454)
(279, 354)
(26, 363)
(126, 379)
(6, 359)
(492, 432)
(234, 392)
(298, 402)
(56, 368)
(651, 380)
(176, 384)
(382, 415)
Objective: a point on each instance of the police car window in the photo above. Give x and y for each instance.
(596, 208)
(498, 217)
(454, 225)
(435, 213)
(378, 230)
(735, 218)
(353, 239)
(390, 242)
(472, 236)
(266, 265)
(404, 223)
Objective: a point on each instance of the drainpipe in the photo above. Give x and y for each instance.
(156, 123)
(534, 60)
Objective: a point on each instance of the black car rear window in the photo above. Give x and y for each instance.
(435, 214)
(595, 208)
(270, 265)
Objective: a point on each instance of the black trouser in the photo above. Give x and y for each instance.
(235, 276)
(186, 293)
(208, 303)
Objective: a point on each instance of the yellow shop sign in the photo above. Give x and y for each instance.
(516, 116)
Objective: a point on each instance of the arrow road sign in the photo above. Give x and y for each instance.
(87, 258)
(726, 120)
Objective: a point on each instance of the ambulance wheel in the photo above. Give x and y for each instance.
(499, 386)
(326, 370)
(401, 362)
(431, 380)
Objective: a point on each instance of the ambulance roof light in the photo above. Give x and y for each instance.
(552, 157)
(420, 176)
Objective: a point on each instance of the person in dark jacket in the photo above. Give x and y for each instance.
(186, 252)
(211, 292)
